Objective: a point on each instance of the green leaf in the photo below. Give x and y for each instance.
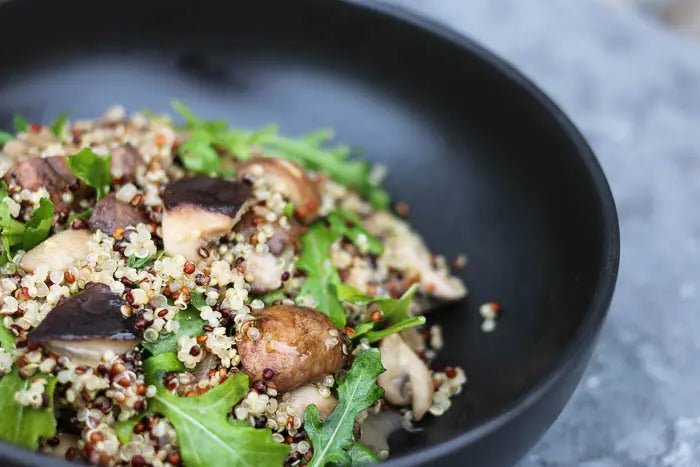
(154, 367)
(393, 309)
(79, 215)
(5, 138)
(350, 226)
(206, 436)
(7, 339)
(190, 325)
(125, 428)
(11, 230)
(322, 277)
(38, 227)
(20, 123)
(59, 127)
(272, 297)
(333, 437)
(141, 263)
(92, 169)
(362, 455)
(22, 425)
(198, 155)
(375, 336)
(198, 301)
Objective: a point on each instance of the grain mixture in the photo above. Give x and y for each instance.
(202, 295)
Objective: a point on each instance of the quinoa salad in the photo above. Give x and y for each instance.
(182, 292)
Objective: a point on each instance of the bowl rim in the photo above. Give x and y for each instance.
(607, 274)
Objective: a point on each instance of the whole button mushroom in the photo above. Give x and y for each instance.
(289, 346)
(199, 210)
(288, 178)
(85, 326)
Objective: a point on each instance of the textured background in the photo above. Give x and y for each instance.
(633, 88)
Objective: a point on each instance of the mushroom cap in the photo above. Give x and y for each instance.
(288, 178)
(209, 193)
(298, 344)
(86, 325)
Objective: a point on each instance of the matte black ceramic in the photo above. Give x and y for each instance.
(489, 166)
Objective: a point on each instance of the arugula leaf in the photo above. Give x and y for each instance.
(198, 301)
(23, 425)
(38, 227)
(362, 455)
(333, 437)
(140, 263)
(199, 152)
(11, 230)
(5, 138)
(92, 169)
(20, 123)
(125, 428)
(190, 325)
(59, 127)
(273, 296)
(79, 215)
(322, 277)
(349, 225)
(393, 309)
(206, 436)
(375, 336)
(154, 367)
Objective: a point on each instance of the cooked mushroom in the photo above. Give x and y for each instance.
(57, 252)
(125, 162)
(289, 179)
(87, 325)
(405, 251)
(110, 213)
(51, 173)
(199, 210)
(407, 380)
(306, 395)
(289, 346)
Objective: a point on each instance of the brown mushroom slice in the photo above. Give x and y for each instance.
(110, 214)
(407, 380)
(306, 395)
(288, 178)
(58, 252)
(296, 345)
(86, 326)
(51, 173)
(199, 210)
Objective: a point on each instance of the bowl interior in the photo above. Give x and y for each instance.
(485, 170)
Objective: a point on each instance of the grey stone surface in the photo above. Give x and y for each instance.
(634, 91)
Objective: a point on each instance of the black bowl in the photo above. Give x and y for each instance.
(488, 164)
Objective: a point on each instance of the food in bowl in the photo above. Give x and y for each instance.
(203, 295)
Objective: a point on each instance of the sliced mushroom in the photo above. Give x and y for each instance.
(407, 380)
(87, 325)
(51, 173)
(110, 213)
(125, 162)
(57, 252)
(376, 429)
(405, 251)
(302, 397)
(288, 178)
(199, 210)
(296, 345)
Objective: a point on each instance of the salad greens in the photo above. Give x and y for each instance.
(92, 169)
(23, 425)
(27, 235)
(333, 437)
(59, 127)
(20, 123)
(190, 325)
(322, 277)
(207, 139)
(205, 433)
(5, 137)
(349, 225)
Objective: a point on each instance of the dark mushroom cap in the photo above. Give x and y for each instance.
(213, 194)
(94, 313)
(110, 213)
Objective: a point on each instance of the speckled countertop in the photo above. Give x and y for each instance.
(633, 89)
